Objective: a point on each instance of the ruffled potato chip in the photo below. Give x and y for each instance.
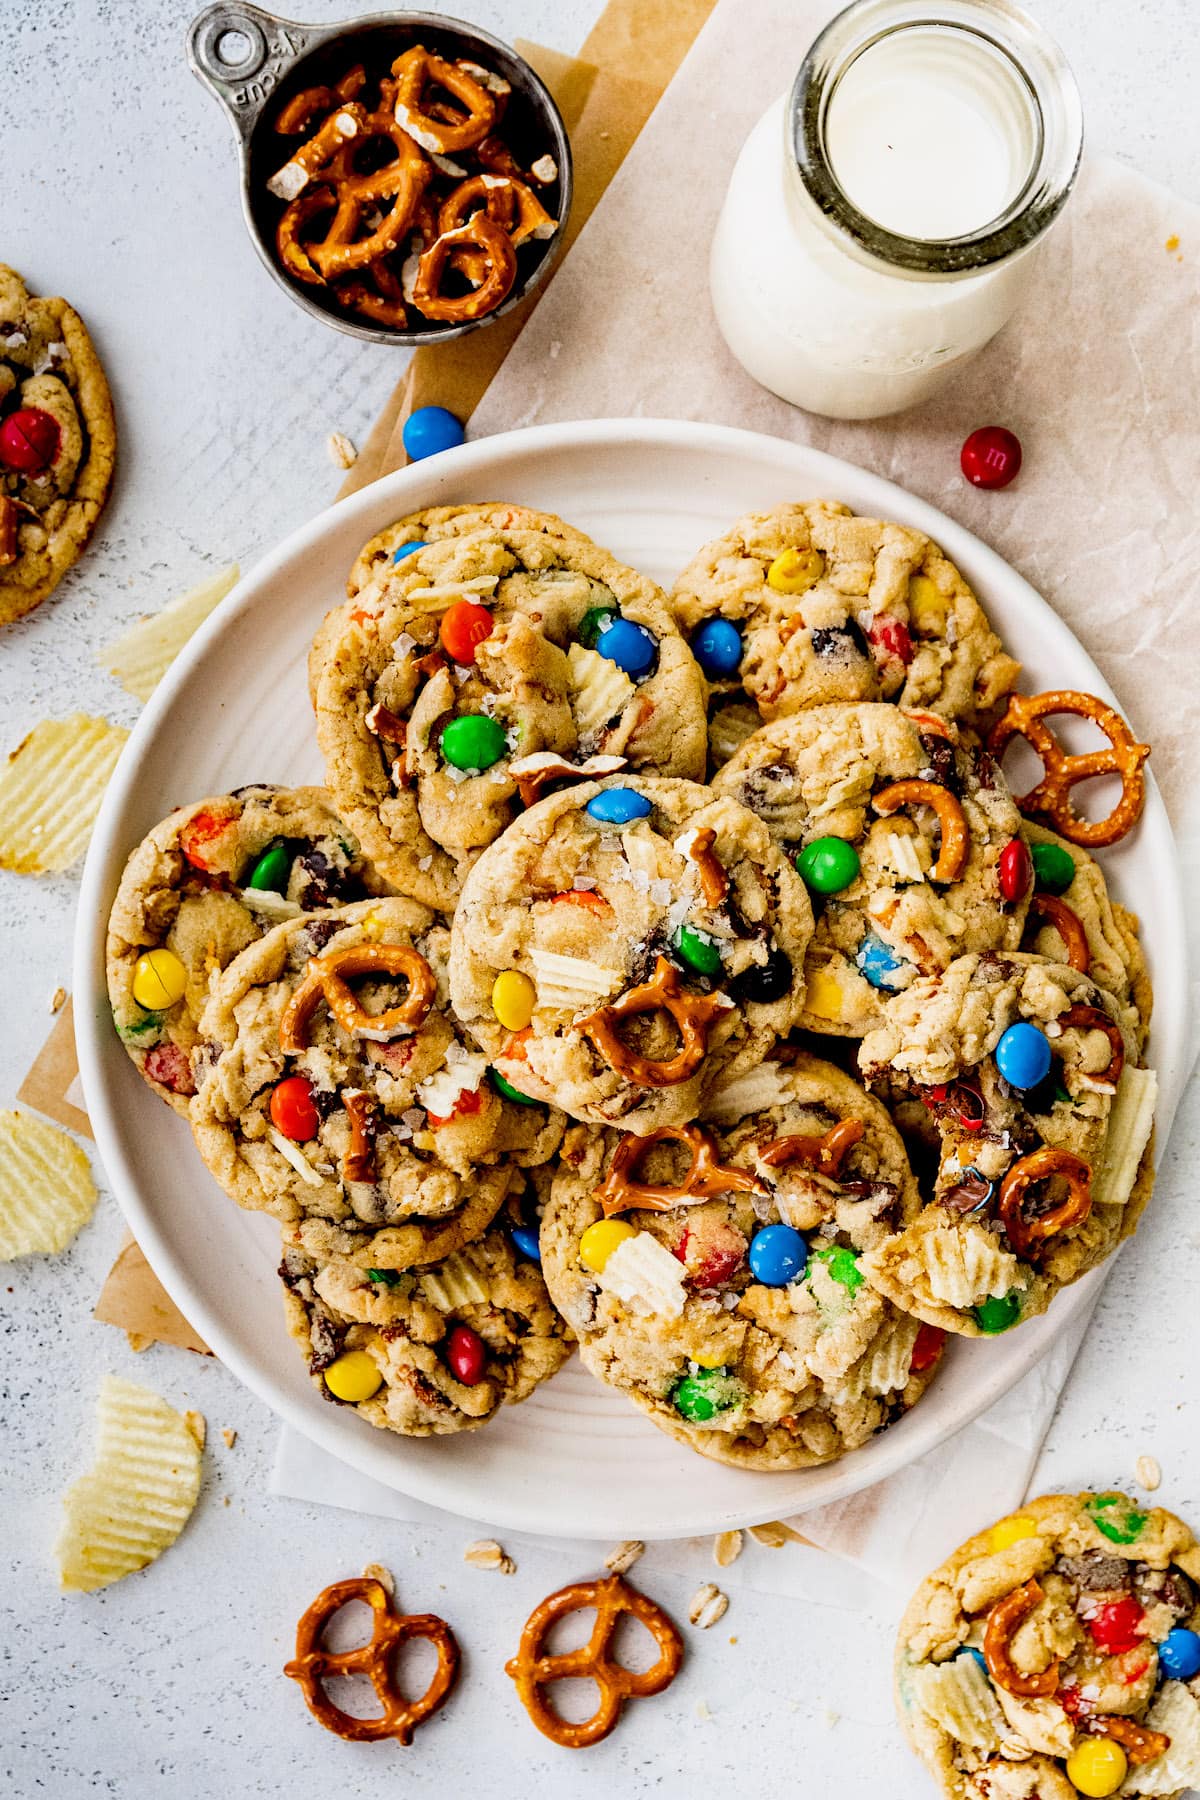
(1176, 1711)
(51, 789)
(141, 656)
(46, 1189)
(958, 1697)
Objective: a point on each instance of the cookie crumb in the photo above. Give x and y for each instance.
(139, 1341)
(226, 1501)
(197, 1424)
(775, 1534)
(385, 1578)
(708, 1605)
(486, 1553)
(1148, 1472)
(341, 450)
(1172, 242)
(703, 1711)
(58, 999)
(230, 1436)
(829, 1718)
(624, 1556)
(727, 1547)
(733, 1639)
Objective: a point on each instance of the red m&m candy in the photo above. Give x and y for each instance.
(464, 625)
(466, 1354)
(1015, 870)
(1118, 1626)
(29, 440)
(292, 1110)
(928, 1346)
(892, 637)
(991, 457)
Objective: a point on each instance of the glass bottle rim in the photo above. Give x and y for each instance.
(1050, 86)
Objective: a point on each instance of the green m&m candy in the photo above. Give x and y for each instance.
(388, 1278)
(473, 741)
(1053, 868)
(1116, 1517)
(697, 950)
(272, 869)
(828, 865)
(841, 1265)
(998, 1312)
(595, 620)
(508, 1090)
(700, 1397)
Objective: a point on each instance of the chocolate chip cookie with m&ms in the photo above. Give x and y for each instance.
(1058, 1654)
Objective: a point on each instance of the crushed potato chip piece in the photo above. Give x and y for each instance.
(141, 656)
(1175, 1712)
(600, 689)
(46, 1189)
(958, 1696)
(452, 1283)
(51, 789)
(139, 1494)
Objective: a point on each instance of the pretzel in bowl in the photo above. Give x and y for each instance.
(704, 1177)
(497, 271)
(1026, 1234)
(415, 71)
(327, 978)
(1050, 799)
(956, 836)
(313, 1665)
(534, 1669)
(693, 1015)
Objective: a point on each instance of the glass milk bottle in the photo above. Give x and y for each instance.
(881, 219)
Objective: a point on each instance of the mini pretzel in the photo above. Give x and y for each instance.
(9, 514)
(511, 203)
(1068, 925)
(398, 187)
(533, 1669)
(481, 233)
(386, 308)
(705, 1176)
(1140, 1743)
(290, 233)
(326, 976)
(302, 108)
(956, 837)
(1090, 1018)
(333, 134)
(1051, 798)
(311, 1666)
(1025, 1234)
(697, 848)
(693, 1015)
(1002, 1623)
(358, 1164)
(824, 1154)
(542, 768)
(413, 71)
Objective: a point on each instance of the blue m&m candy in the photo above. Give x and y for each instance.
(407, 550)
(777, 1255)
(879, 964)
(1023, 1055)
(717, 647)
(618, 806)
(630, 646)
(430, 429)
(526, 1242)
(1179, 1654)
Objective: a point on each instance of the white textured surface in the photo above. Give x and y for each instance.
(119, 191)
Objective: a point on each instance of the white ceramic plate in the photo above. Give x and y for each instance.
(575, 1460)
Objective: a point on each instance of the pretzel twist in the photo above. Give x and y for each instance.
(824, 1154)
(414, 71)
(9, 516)
(705, 1177)
(542, 768)
(311, 1666)
(496, 278)
(956, 836)
(358, 1164)
(303, 107)
(1050, 799)
(398, 187)
(326, 977)
(1069, 926)
(1002, 1623)
(533, 1669)
(693, 1015)
(1026, 1234)
(1090, 1018)
(696, 847)
(1140, 1743)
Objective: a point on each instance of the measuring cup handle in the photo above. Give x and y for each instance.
(266, 48)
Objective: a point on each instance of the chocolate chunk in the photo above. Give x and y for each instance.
(327, 1339)
(1165, 1587)
(1094, 1571)
(839, 640)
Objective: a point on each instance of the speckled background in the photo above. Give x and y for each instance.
(119, 190)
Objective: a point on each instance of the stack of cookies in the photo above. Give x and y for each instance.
(671, 975)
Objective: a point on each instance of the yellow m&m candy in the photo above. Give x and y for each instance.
(823, 996)
(1097, 1767)
(354, 1376)
(794, 571)
(1011, 1531)
(159, 980)
(513, 995)
(600, 1240)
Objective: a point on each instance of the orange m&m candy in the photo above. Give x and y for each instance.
(464, 625)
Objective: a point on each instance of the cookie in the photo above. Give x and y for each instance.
(1058, 1654)
(712, 1273)
(431, 1350)
(374, 563)
(455, 679)
(1044, 1128)
(626, 946)
(820, 605)
(58, 443)
(203, 885)
(338, 1093)
(1101, 936)
(905, 834)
